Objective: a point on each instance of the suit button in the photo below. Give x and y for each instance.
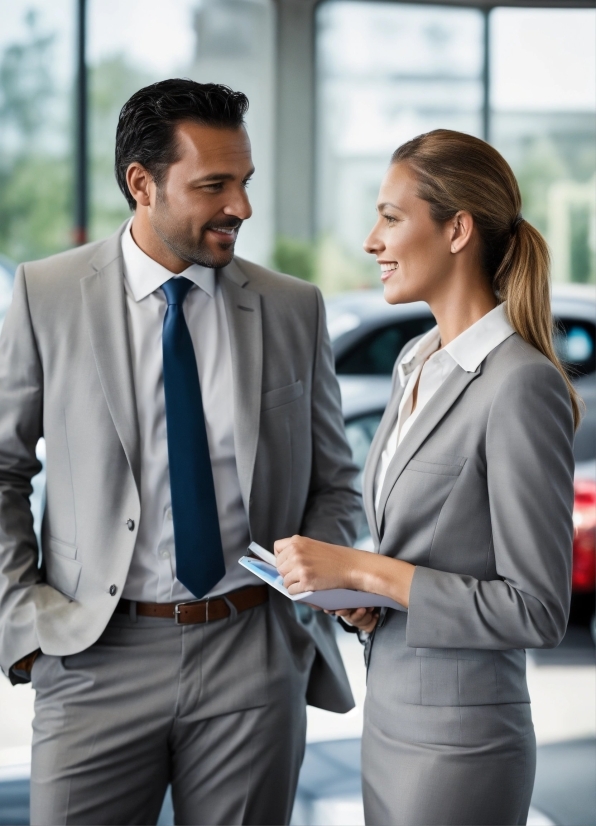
(130, 524)
(113, 590)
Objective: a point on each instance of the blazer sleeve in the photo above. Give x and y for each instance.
(334, 506)
(529, 466)
(21, 402)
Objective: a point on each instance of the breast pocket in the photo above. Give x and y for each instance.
(440, 465)
(281, 395)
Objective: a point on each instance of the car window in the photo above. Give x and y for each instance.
(575, 345)
(375, 353)
(360, 432)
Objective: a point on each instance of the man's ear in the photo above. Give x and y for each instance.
(139, 181)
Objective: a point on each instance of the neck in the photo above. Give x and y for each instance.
(148, 240)
(462, 305)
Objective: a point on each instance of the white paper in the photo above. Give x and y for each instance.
(332, 600)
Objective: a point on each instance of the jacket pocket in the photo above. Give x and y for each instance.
(62, 548)
(62, 571)
(281, 395)
(457, 677)
(442, 465)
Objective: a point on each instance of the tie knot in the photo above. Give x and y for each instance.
(176, 289)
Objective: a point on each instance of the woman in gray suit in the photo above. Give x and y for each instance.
(468, 490)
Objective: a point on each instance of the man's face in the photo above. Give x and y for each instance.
(200, 205)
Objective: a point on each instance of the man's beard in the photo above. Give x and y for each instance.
(190, 250)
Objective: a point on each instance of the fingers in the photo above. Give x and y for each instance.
(281, 545)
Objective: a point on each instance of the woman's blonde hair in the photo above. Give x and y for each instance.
(459, 172)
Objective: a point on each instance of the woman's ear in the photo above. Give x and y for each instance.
(462, 226)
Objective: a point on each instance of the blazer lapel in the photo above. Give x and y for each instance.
(104, 305)
(429, 418)
(374, 457)
(243, 311)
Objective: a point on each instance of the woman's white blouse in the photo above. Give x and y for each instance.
(433, 366)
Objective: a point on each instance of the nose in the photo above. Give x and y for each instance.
(239, 206)
(373, 243)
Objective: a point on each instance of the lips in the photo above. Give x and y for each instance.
(387, 270)
(224, 232)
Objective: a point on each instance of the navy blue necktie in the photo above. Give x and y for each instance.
(199, 555)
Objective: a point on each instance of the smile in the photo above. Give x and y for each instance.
(387, 270)
(230, 231)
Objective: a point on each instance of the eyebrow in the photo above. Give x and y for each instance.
(389, 204)
(220, 176)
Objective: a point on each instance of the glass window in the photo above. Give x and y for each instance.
(543, 101)
(386, 72)
(36, 108)
(215, 41)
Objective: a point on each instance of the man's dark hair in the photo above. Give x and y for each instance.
(147, 123)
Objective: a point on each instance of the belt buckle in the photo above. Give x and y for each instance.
(181, 605)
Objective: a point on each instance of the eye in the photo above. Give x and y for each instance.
(246, 183)
(390, 219)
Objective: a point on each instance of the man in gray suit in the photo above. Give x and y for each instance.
(188, 404)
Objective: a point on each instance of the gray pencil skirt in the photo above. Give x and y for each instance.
(424, 765)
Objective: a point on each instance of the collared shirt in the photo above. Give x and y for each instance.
(433, 366)
(152, 573)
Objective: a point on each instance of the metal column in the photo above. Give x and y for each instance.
(486, 77)
(295, 121)
(81, 200)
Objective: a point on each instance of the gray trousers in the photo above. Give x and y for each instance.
(216, 710)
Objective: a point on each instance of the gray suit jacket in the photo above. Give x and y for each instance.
(65, 374)
(479, 496)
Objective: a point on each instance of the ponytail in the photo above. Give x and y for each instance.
(523, 281)
(459, 172)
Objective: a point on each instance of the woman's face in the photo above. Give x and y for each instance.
(414, 252)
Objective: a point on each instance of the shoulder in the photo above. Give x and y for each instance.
(270, 283)
(525, 382)
(517, 362)
(74, 263)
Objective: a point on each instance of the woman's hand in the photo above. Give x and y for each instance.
(310, 565)
(365, 619)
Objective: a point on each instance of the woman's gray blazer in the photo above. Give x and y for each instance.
(479, 496)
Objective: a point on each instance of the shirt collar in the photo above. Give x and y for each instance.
(417, 354)
(471, 347)
(144, 275)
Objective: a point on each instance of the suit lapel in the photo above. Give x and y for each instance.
(429, 418)
(243, 311)
(104, 305)
(374, 456)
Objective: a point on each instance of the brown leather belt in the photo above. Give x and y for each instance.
(205, 610)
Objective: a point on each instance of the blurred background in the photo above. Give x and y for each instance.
(334, 87)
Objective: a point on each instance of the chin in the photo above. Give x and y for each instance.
(396, 294)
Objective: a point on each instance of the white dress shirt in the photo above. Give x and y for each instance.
(433, 366)
(152, 574)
